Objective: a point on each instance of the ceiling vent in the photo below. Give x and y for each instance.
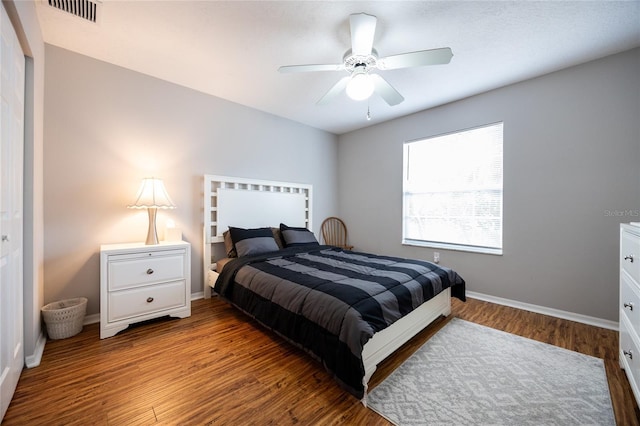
(85, 9)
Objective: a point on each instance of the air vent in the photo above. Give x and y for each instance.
(85, 9)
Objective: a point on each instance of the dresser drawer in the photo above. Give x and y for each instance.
(135, 271)
(629, 356)
(630, 302)
(630, 254)
(145, 300)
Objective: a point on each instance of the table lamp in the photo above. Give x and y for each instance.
(152, 196)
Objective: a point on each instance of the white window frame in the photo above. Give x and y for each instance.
(496, 250)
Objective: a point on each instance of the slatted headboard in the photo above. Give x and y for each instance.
(250, 203)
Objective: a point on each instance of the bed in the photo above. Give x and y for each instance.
(350, 310)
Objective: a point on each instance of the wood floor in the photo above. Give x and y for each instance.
(218, 368)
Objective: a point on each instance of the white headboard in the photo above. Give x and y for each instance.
(250, 203)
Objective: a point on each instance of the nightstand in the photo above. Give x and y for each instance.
(140, 282)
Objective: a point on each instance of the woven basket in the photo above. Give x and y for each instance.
(64, 318)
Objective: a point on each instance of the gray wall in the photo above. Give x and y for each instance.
(571, 175)
(107, 127)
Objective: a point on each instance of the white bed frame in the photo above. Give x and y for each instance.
(251, 203)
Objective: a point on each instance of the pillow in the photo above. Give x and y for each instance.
(252, 241)
(221, 262)
(278, 237)
(228, 245)
(231, 250)
(297, 236)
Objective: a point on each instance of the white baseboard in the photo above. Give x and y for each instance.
(91, 319)
(34, 359)
(198, 295)
(584, 319)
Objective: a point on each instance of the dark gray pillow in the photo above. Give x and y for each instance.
(253, 241)
(297, 236)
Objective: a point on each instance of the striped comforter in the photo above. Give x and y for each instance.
(330, 301)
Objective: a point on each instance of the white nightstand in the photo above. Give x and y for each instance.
(139, 282)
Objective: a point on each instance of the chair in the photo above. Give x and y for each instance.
(334, 233)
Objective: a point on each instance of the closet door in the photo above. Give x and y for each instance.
(11, 246)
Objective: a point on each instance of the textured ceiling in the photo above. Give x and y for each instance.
(233, 49)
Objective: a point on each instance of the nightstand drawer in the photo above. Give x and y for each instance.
(144, 300)
(131, 272)
(630, 254)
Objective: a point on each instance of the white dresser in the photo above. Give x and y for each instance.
(630, 305)
(139, 282)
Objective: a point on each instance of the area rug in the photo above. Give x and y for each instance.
(468, 374)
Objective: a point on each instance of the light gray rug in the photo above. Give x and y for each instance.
(468, 374)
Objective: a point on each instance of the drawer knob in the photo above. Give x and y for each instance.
(149, 271)
(628, 354)
(149, 299)
(628, 305)
(629, 258)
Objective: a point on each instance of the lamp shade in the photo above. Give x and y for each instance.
(152, 194)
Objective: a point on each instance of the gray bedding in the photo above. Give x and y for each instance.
(330, 301)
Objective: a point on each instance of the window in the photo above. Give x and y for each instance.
(452, 191)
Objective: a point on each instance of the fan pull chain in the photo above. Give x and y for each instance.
(368, 112)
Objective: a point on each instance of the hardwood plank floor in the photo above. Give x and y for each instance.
(217, 367)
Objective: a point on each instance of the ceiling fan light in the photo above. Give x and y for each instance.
(360, 87)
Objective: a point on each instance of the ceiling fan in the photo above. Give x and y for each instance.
(362, 58)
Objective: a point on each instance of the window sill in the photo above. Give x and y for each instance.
(456, 247)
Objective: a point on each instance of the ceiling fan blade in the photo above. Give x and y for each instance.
(386, 91)
(363, 28)
(416, 59)
(334, 91)
(310, 68)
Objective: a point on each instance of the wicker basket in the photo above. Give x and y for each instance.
(64, 318)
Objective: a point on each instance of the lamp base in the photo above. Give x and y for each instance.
(152, 234)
